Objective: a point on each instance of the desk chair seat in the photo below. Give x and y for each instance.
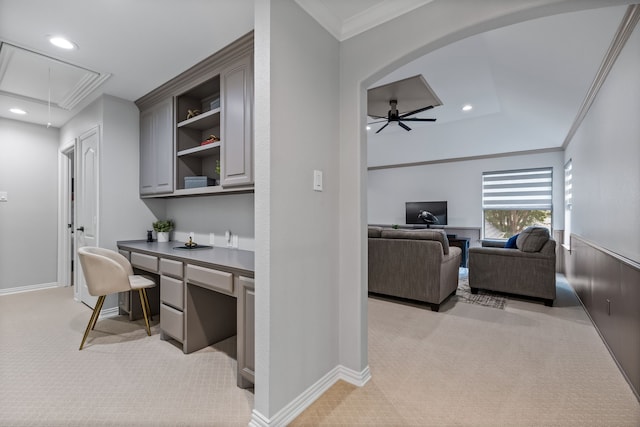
(107, 272)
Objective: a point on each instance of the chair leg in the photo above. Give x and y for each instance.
(98, 309)
(144, 310)
(146, 301)
(93, 319)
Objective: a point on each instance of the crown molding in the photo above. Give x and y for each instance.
(360, 22)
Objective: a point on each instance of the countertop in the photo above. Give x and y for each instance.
(225, 258)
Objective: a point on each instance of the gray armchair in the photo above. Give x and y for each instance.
(527, 270)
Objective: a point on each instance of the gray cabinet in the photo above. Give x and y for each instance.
(246, 331)
(171, 300)
(196, 130)
(236, 150)
(156, 149)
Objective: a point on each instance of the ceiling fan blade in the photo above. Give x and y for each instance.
(417, 119)
(403, 126)
(385, 125)
(377, 121)
(419, 110)
(376, 117)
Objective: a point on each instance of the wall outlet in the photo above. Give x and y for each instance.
(4, 197)
(212, 238)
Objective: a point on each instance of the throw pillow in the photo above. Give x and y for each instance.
(532, 239)
(511, 243)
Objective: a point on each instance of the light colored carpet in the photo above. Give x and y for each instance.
(467, 365)
(122, 377)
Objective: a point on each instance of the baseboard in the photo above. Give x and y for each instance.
(109, 312)
(287, 414)
(29, 288)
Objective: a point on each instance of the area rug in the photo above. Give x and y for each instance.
(486, 299)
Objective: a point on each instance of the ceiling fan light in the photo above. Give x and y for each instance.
(19, 111)
(62, 43)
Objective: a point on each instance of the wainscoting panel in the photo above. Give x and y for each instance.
(609, 287)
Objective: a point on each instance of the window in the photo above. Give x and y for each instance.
(568, 201)
(514, 200)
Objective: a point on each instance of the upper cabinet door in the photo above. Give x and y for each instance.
(156, 149)
(236, 148)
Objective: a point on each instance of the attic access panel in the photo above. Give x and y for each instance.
(411, 93)
(25, 74)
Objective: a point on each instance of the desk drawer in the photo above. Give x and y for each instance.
(145, 262)
(172, 292)
(172, 322)
(169, 267)
(213, 279)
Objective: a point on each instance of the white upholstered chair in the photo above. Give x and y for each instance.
(107, 272)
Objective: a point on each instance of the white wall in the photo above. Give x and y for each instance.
(605, 154)
(296, 110)
(28, 221)
(457, 182)
(213, 214)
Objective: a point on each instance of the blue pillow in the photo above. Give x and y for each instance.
(511, 243)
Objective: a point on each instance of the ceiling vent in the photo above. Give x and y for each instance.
(30, 76)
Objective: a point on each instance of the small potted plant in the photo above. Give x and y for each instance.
(162, 228)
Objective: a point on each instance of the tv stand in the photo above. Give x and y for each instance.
(462, 243)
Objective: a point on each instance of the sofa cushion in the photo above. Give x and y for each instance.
(532, 239)
(511, 243)
(431, 234)
(374, 231)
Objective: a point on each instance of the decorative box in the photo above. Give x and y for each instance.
(198, 181)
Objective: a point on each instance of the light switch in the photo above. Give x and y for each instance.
(317, 180)
(4, 196)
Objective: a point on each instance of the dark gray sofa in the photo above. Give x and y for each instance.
(413, 264)
(527, 270)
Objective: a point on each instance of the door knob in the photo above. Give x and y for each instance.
(81, 228)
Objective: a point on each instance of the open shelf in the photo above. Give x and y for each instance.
(206, 120)
(200, 151)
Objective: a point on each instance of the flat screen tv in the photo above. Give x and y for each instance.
(431, 214)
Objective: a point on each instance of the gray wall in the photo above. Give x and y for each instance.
(296, 103)
(29, 220)
(121, 212)
(457, 182)
(123, 215)
(213, 214)
(605, 153)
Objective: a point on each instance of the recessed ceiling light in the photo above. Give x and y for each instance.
(467, 107)
(18, 111)
(62, 43)
(368, 127)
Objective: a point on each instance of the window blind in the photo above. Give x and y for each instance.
(568, 185)
(526, 189)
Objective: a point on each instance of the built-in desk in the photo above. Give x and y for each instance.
(206, 296)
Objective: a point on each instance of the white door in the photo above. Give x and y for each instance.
(86, 191)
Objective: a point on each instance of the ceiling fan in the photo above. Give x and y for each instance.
(394, 116)
(416, 95)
